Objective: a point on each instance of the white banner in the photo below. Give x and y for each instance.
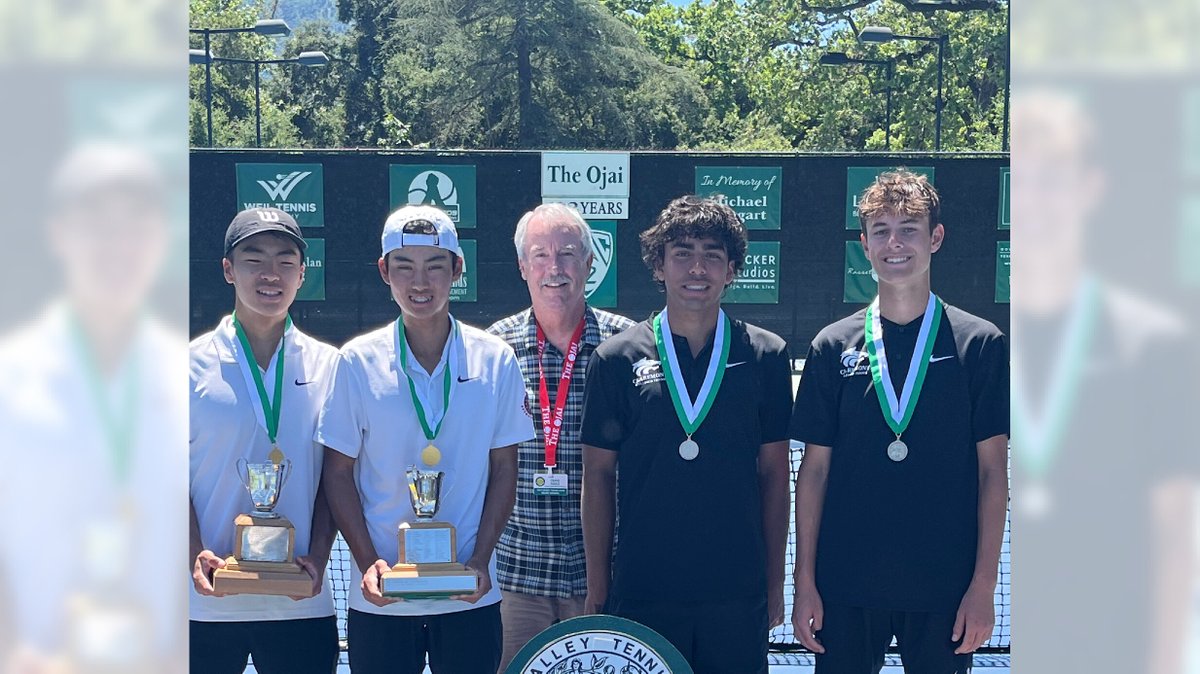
(585, 174)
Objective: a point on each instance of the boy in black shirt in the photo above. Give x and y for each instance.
(692, 406)
(903, 408)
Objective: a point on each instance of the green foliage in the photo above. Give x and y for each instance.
(530, 74)
(233, 83)
(607, 74)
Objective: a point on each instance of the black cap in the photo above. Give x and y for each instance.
(257, 220)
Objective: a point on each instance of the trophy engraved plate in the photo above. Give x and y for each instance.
(263, 560)
(426, 544)
(427, 568)
(260, 543)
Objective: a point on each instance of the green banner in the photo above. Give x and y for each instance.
(1190, 143)
(601, 286)
(298, 189)
(1003, 271)
(859, 178)
(758, 282)
(313, 287)
(451, 188)
(1005, 197)
(753, 192)
(463, 290)
(1186, 269)
(860, 284)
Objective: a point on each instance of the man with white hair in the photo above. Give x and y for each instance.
(541, 566)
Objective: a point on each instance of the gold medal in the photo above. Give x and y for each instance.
(431, 455)
(275, 456)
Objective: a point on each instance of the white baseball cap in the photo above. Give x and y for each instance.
(420, 225)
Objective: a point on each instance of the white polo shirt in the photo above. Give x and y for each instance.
(228, 423)
(67, 515)
(370, 416)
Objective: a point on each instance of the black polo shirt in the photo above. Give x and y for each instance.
(690, 530)
(902, 535)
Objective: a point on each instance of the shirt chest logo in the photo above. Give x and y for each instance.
(647, 371)
(855, 362)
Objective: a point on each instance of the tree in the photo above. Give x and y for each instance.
(233, 83)
(313, 99)
(526, 73)
(611, 74)
(758, 62)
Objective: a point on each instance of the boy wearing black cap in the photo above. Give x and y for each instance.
(257, 386)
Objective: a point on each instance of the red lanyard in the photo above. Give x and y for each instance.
(552, 421)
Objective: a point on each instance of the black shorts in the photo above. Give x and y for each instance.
(303, 646)
(855, 640)
(715, 637)
(465, 642)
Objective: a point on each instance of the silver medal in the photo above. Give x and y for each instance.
(897, 451)
(688, 449)
(1036, 502)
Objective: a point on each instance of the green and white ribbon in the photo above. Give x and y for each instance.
(118, 418)
(431, 431)
(270, 406)
(691, 413)
(1037, 436)
(898, 410)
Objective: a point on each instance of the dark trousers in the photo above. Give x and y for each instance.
(715, 637)
(301, 646)
(466, 642)
(855, 640)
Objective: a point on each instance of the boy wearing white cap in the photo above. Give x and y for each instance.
(430, 392)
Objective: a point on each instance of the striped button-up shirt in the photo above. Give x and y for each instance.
(541, 550)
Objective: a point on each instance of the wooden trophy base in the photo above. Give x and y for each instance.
(428, 581)
(276, 578)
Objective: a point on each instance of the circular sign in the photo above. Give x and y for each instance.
(598, 644)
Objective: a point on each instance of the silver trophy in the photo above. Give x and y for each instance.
(427, 567)
(424, 491)
(264, 481)
(264, 546)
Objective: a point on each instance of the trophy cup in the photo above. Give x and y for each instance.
(263, 560)
(427, 569)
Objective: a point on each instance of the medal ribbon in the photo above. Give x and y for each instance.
(117, 420)
(692, 413)
(898, 411)
(430, 434)
(270, 407)
(552, 420)
(1036, 439)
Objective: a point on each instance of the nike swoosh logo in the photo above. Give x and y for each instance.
(304, 383)
(740, 362)
(934, 360)
(463, 381)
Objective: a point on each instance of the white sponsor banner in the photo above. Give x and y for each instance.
(595, 208)
(585, 174)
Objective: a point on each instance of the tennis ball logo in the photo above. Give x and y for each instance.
(539, 482)
(436, 189)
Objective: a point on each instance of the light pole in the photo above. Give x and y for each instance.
(266, 27)
(305, 58)
(885, 34)
(837, 58)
